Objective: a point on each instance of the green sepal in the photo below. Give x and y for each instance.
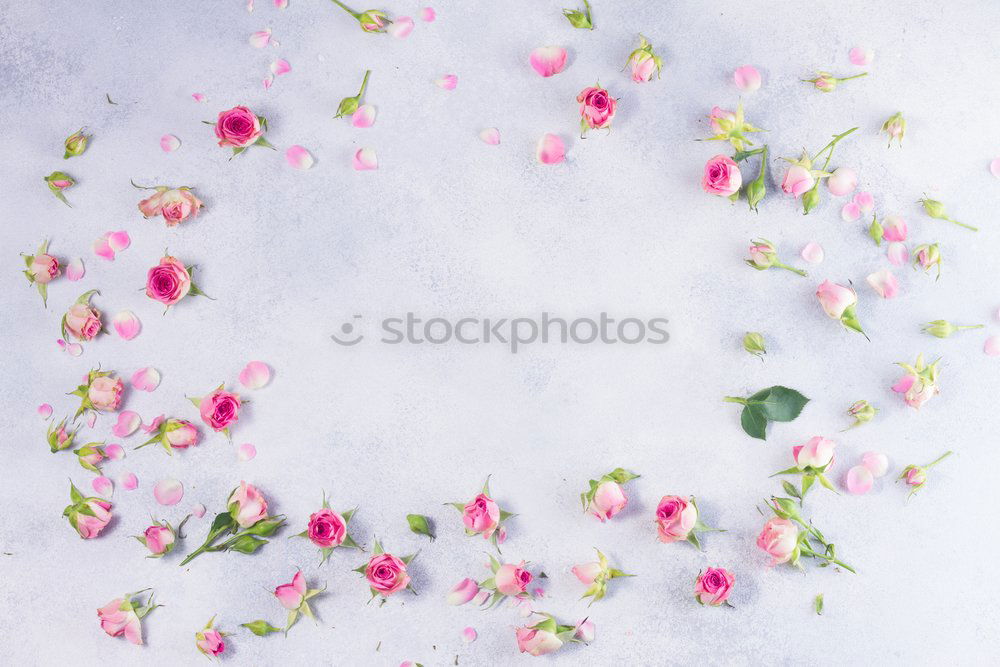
(261, 628)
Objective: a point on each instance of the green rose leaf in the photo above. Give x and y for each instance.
(261, 628)
(779, 404)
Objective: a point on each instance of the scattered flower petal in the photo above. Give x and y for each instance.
(448, 82)
(551, 149)
(995, 167)
(255, 375)
(75, 270)
(259, 39)
(401, 27)
(364, 116)
(169, 143)
(490, 135)
(281, 4)
(246, 452)
(126, 324)
(462, 592)
(168, 491)
(850, 212)
(128, 423)
(103, 249)
(198, 97)
(249, 6)
(469, 635)
(198, 510)
(155, 424)
(114, 452)
(146, 379)
(860, 56)
(365, 159)
(481, 597)
(268, 81)
(876, 462)
(884, 283)
(898, 254)
(585, 630)
(992, 346)
(73, 349)
(865, 201)
(298, 157)
(280, 66)
(103, 486)
(859, 480)
(91, 418)
(813, 253)
(842, 181)
(428, 14)
(548, 60)
(128, 481)
(118, 240)
(747, 78)
(44, 410)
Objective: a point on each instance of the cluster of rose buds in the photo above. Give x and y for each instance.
(643, 62)
(245, 524)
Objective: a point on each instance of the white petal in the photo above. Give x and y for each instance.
(168, 491)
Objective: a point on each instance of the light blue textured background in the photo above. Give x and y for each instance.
(451, 226)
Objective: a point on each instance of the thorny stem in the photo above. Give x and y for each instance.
(830, 146)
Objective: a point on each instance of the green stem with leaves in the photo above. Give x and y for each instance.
(830, 146)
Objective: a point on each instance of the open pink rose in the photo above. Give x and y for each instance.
(168, 282)
(118, 618)
(44, 268)
(675, 518)
(220, 409)
(238, 127)
(779, 539)
(512, 579)
(291, 596)
(159, 539)
(180, 433)
(609, 500)
(327, 529)
(83, 321)
(536, 641)
(175, 205)
(386, 574)
(105, 393)
(722, 177)
(713, 586)
(247, 506)
(835, 298)
(798, 180)
(816, 453)
(210, 642)
(597, 108)
(481, 515)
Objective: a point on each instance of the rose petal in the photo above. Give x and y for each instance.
(128, 481)
(747, 78)
(364, 116)
(401, 27)
(448, 82)
(860, 56)
(813, 253)
(992, 346)
(118, 240)
(550, 149)
(198, 97)
(255, 375)
(365, 159)
(91, 418)
(898, 254)
(44, 410)
(884, 283)
(268, 81)
(859, 480)
(168, 491)
(428, 14)
(850, 212)
(281, 4)
(842, 181)
(169, 143)
(876, 462)
(481, 597)
(259, 39)
(126, 324)
(128, 423)
(146, 379)
(865, 202)
(298, 157)
(280, 66)
(491, 136)
(246, 452)
(102, 248)
(153, 425)
(75, 270)
(114, 452)
(469, 635)
(548, 60)
(249, 6)
(198, 510)
(103, 486)
(995, 167)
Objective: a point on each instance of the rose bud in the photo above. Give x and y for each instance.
(713, 586)
(827, 82)
(839, 303)
(578, 18)
(75, 144)
(173, 434)
(41, 269)
(57, 182)
(753, 343)
(675, 518)
(512, 579)
(895, 127)
(463, 592)
(170, 281)
(916, 476)
(220, 409)
(731, 126)
(246, 505)
(240, 128)
(385, 573)
(763, 256)
(175, 205)
(756, 190)
(295, 598)
(123, 617)
(919, 385)
(876, 231)
(482, 516)
(88, 516)
(160, 538)
(935, 209)
(862, 411)
(644, 62)
(210, 642)
(816, 454)
(927, 256)
(328, 530)
(539, 639)
(90, 456)
(780, 540)
(349, 105)
(105, 393)
(59, 437)
(372, 20)
(944, 328)
(596, 576)
(605, 498)
(597, 109)
(721, 177)
(798, 180)
(82, 321)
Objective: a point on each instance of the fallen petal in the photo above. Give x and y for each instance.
(114, 452)
(551, 149)
(860, 56)
(198, 510)
(280, 66)
(249, 6)
(268, 81)
(44, 410)
(146, 379)
(102, 248)
(859, 480)
(246, 452)
(995, 167)
(428, 14)
(153, 425)
(103, 486)
(169, 143)
(876, 462)
(128, 423)
(842, 181)
(259, 39)
(865, 201)
(364, 116)
(462, 592)
(255, 375)
(747, 78)
(365, 159)
(119, 240)
(491, 136)
(448, 82)
(992, 346)
(128, 481)
(850, 212)
(281, 4)
(91, 418)
(74, 349)
(298, 157)
(898, 254)
(75, 270)
(198, 97)
(884, 283)
(481, 597)
(469, 635)
(168, 491)
(401, 27)
(813, 253)
(548, 60)
(126, 324)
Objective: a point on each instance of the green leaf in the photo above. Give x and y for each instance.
(818, 604)
(420, 525)
(261, 628)
(790, 489)
(754, 422)
(778, 403)
(247, 544)
(221, 522)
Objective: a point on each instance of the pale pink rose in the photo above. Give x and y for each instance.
(609, 500)
(44, 268)
(717, 114)
(247, 506)
(835, 298)
(291, 596)
(386, 574)
(722, 176)
(238, 127)
(210, 642)
(117, 622)
(597, 107)
(713, 586)
(894, 228)
(83, 321)
(220, 409)
(643, 66)
(512, 579)
(548, 60)
(105, 393)
(327, 529)
(916, 476)
(181, 433)
(798, 180)
(481, 515)
(168, 282)
(675, 518)
(536, 642)
(159, 539)
(463, 592)
(175, 205)
(915, 391)
(816, 453)
(779, 539)
(587, 573)
(747, 78)
(90, 526)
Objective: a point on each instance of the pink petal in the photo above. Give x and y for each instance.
(298, 157)
(74, 349)
(548, 60)
(859, 480)
(550, 149)
(268, 81)
(168, 491)
(102, 248)
(75, 270)
(365, 159)
(876, 462)
(401, 27)
(146, 379)
(255, 375)
(842, 181)
(280, 66)
(813, 253)
(128, 480)
(898, 254)
(364, 116)
(469, 635)
(118, 240)
(126, 324)
(884, 283)
(169, 143)
(198, 510)
(481, 597)
(491, 136)
(747, 78)
(865, 201)
(904, 384)
(860, 56)
(91, 418)
(246, 452)
(448, 82)
(850, 212)
(128, 423)
(259, 39)
(114, 452)
(103, 486)
(249, 6)
(153, 425)
(428, 14)
(995, 167)
(280, 4)
(44, 410)
(198, 97)
(992, 346)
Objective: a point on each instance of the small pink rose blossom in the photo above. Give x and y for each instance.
(721, 177)
(919, 385)
(291, 596)
(481, 515)
(597, 108)
(238, 127)
(247, 505)
(675, 518)
(105, 393)
(386, 574)
(713, 586)
(609, 500)
(817, 453)
(327, 529)
(798, 180)
(220, 409)
(512, 579)
(835, 298)
(168, 282)
(780, 540)
(210, 642)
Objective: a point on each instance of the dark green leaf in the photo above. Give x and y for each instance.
(247, 544)
(790, 489)
(778, 403)
(754, 422)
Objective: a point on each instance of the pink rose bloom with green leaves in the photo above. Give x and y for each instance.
(675, 518)
(816, 453)
(246, 505)
(597, 108)
(220, 409)
(44, 268)
(713, 586)
(83, 321)
(180, 433)
(481, 515)
(105, 393)
(168, 282)
(386, 574)
(159, 539)
(722, 177)
(512, 579)
(327, 529)
(119, 618)
(210, 642)
(238, 127)
(779, 539)
(175, 205)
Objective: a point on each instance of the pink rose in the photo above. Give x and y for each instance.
(780, 540)
(247, 506)
(481, 515)
(713, 586)
(675, 518)
(835, 298)
(105, 393)
(83, 321)
(916, 476)
(536, 641)
(175, 205)
(180, 433)
(722, 177)
(91, 524)
(816, 453)
(386, 574)
(587, 573)
(291, 596)
(327, 529)
(798, 180)
(44, 268)
(210, 642)
(168, 282)
(159, 539)
(597, 108)
(609, 500)
(727, 118)
(238, 127)
(512, 579)
(118, 618)
(220, 409)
